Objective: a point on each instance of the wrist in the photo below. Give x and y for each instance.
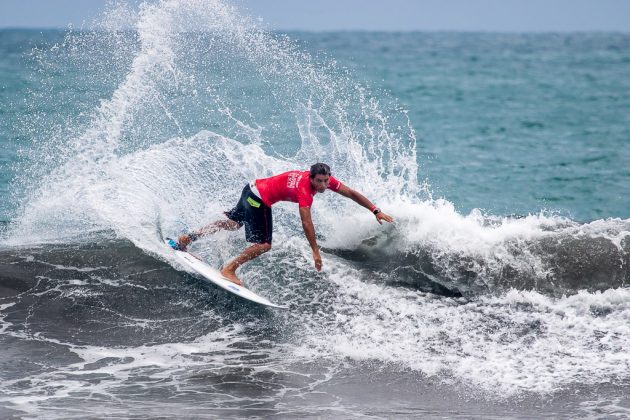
(375, 210)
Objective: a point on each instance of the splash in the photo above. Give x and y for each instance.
(188, 66)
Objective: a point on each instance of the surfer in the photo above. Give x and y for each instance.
(254, 211)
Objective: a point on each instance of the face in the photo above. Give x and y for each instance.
(320, 183)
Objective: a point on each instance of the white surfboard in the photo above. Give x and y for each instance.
(214, 276)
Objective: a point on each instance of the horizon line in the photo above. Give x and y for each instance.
(488, 31)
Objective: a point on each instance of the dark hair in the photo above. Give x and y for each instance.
(320, 169)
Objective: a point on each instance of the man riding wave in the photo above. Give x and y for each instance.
(254, 211)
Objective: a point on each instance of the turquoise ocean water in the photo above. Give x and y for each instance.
(500, 291)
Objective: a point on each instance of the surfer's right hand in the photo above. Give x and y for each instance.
(318, 260)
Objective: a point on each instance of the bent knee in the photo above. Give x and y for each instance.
(265, 247)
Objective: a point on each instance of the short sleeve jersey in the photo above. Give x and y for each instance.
(292, 186)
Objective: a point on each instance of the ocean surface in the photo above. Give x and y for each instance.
(502, 290)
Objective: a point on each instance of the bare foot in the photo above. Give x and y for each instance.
(182, 242)
(231, 276)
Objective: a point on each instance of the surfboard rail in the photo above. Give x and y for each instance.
(214, 276)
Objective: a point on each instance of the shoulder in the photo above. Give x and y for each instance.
(304, 191)
(334, 184)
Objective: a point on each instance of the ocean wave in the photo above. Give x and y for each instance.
(435, 249)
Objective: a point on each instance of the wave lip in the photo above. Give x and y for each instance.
(435, 249)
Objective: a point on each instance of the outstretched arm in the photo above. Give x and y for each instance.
(362, 200)
(309, 231)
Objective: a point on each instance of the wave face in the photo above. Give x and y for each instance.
(436, 249)
(200, 100)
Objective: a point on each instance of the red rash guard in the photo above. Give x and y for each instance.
(290, 186)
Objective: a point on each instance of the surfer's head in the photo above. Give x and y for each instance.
(320, 176)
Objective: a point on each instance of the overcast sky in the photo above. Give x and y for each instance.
(389, 15)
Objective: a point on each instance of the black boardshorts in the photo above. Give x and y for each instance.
(255, 215)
